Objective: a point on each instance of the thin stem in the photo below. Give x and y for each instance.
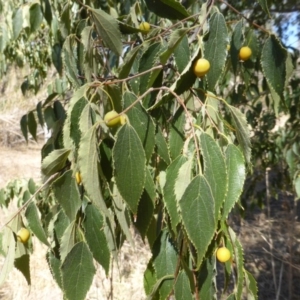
(243, 16)
(268, 196)
(132, 77)
(30, 199)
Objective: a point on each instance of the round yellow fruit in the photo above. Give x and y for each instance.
(23, 235)
(245, 53)
(78, 177)
(223, 254)
(112, 118)
(123, 119)
(145, 26)
(201, 67)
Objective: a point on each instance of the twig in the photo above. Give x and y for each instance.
(29, 200)
(280, 259)
(268, 196)
(243, 16)
(280, 281)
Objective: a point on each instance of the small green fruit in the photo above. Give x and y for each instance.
(112, 118)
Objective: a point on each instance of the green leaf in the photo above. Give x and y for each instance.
(184, 178)
(146, 206)
(55, 161)
(77, 272)
(207, 278)
(115, 93)
(169, 190)
(242, 131)
(3, 37)
(129, 165)
(162, 146)
(214, 170)
(129, 60)
(57, 57)
(9, 240)
(70, 60)
(77, 119)
(95, 237)
(61, 222)
(88, 162)
(108, 29)
(146, 62)
(32, 125)
(36, 17)
(239, 260)
(215, 50)
(177, 135)
(164, 262)
(141, 121)
(65, 20)
(87, 41)
(31, 186)
(297, 186)
(87, 120)
(169, 9)
(71, 122)
(264, 6)
(149, 278)
(174, 40)
(54, 265)
(46, 9)
(182, 289)
(236, 44)
(273, 62)
(122, 214)
(35, 224)
(40, 113)
(67, 194)
(17, 22)
(236, 176)
(23, 125)
(182, 54)
(68, 240)
(198, 215)
(22, 264)
(251, 286)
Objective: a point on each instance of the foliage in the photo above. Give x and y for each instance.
(176, 166)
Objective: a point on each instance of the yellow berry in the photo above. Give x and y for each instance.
(23, 235)
(78, 177)
(145, 26)
(228, 47)
(201, 67)
(223, 254)
(112, 118)
(123, 119)
(245, 53)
